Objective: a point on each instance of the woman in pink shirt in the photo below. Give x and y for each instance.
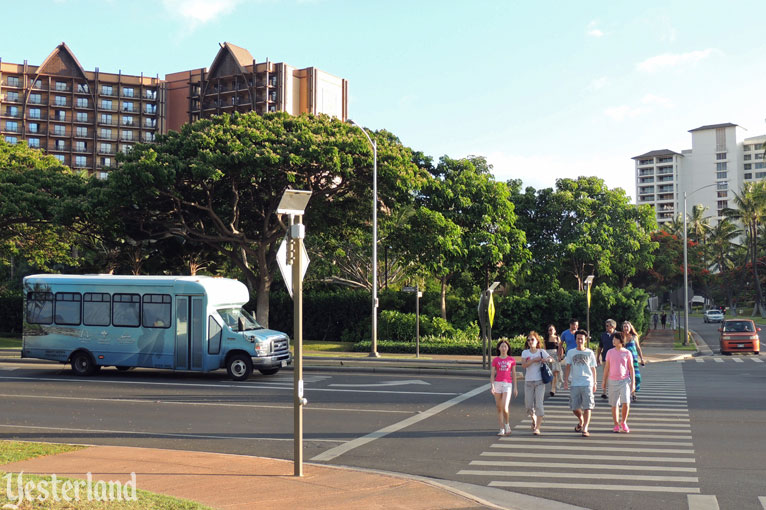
(502, 380)
(619, 381)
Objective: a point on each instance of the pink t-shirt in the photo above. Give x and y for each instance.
(619, 364)
(503, 367)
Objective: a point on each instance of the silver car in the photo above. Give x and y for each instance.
(713, 315)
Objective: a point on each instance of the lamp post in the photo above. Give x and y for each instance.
(374, 347)
(588, 282)
(686, 269)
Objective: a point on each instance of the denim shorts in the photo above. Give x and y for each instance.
(581, 397)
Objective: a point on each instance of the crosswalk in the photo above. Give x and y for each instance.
(657, 456)
(724, 359)
(704, 502)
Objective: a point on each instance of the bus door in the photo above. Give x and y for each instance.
(189, 324)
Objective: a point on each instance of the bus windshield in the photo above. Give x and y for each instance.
(239, 319)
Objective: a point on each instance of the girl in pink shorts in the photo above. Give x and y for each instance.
(502, 381)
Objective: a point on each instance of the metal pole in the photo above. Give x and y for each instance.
(417, 320)
(686, 282)
(297, 243)
(374, 351)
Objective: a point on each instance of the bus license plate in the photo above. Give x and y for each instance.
(284, 363)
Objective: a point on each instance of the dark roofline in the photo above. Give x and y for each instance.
(714, 126)
(661, 152)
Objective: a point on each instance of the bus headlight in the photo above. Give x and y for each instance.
(262, 348)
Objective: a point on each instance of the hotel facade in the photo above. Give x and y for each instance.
(716, 167)
(83, 118)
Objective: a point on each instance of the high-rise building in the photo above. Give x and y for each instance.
(84, 117)
(716, 167)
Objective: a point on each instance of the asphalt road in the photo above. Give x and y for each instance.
(696, 429)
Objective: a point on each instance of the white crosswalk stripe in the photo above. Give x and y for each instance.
(733, 359)
(702, 502)
(657, 456)
(762, 501)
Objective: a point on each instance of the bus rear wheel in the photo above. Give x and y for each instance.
(239, 367)
(83, 364)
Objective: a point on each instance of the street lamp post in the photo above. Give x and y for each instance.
(374, 348)
(589, 282)
(686, 269)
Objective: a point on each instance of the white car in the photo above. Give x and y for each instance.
(713, 315)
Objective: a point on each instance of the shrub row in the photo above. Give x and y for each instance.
(11, 314)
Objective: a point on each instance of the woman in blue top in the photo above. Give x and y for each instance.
(630, 335)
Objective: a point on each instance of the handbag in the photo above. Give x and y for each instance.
(545, 371)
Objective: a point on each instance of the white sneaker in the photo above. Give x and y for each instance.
(502, 432)
(507, 430)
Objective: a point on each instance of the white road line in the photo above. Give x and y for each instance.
(762, 501)
(238, 386)
(700, 502)
(758, 360)
(699, 360)
(637, 434)
(737, 360)
(620, 458)
(549, 416)
(360, 441)
(223, 403)
(562, 465)
(159, 434)
(718, 360)
(579, 440)
(579, 475)
(616, 448)
(602, 487)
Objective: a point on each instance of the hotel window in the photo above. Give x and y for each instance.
(720, 166)
(35, 98)
(38, 84)
(127, 120)
(748, 157)
(13, 111)
(83, 87)
(150, 94)
(106, 104)
(82, 131)
(82, 102)
(125, 148)
(720, 155)
(34, 113)
(759, 165)
(759, 155)
(723, 204)
(151, 108)
(723, 194)
(34, 143)
(60, 115)
(13, 81)
(722, 186)
(12, 140)
(60, 157)
(11, 125)
(721, 175)
(80, 161)
(106, 133)
(128, 106)
(127, 136)
(105, 148)
(127, 91)
(60, 145)
(748, 176)
(59, 130)
(106, 90)
(82, 117)
(12, 96)
(34, 127)
(148, 136)
(748, 166)
(150, 122)
(80, 146)
(60, 85)
(746, 147)
(106, 118)
(106, 162)
(60, 101)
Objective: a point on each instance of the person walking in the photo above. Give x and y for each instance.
(502, 381)
(619, 381)
(655, 319)
(552, 343)
(568, 338)
(664, 319)
(534, 389)
(581, 365)
(605, 343)
(631, 343)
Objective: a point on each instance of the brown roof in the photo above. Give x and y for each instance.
(661, 152)
(241, 54)
(714, 126)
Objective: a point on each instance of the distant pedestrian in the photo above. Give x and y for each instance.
(664, 319)
(581, 365)
(552, 343)
(630, 341)
(503, 380)
(655, 319)
(619, 381)
(534, 389)
(605, 343)
(674, 319)
(568, 338)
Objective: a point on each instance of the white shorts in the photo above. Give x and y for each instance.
(502, 387)
(619, 392)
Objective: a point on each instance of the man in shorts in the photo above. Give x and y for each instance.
(581, 365)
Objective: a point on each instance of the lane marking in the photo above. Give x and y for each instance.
(162, 434)
(219, 403)
(737, 360)
(700, 360)
(762, 501)
(758, 360)
(579, 475)
(602, 487)
(718, 360)
(579, 441)
(598, 457)
(652, 435)
(611, 467)
(701, 502)
(360, 441)
(616, 448)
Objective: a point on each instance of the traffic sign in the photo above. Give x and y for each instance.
(287, 269)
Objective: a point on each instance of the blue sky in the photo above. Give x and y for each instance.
(542, 89)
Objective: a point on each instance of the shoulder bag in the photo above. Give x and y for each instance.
(545, 371)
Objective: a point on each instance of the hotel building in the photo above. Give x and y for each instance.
(84, 117)
(709, 173)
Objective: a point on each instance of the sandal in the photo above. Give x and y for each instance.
(578, 428)
(585, 433)
(536, 432)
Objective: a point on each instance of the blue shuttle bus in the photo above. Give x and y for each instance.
(194, 323)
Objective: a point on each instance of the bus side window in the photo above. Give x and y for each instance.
(40, 307)
(156, 311)
(96, 309)
(126, 310)
(68, 307)
(214, 332)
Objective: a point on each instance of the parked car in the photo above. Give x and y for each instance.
(739, 335)
(713, 315)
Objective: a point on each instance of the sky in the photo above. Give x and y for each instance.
(543, 89)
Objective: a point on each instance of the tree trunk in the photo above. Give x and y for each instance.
(444, 297)
(758, 308)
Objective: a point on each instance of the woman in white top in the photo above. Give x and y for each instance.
(534, 389)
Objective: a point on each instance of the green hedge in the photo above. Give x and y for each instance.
(440, 345)
(11, 314)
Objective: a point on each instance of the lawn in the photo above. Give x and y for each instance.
(39, 489)
(10, 342)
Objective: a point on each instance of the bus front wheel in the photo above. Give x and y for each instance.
(239, 367)
(83, 364)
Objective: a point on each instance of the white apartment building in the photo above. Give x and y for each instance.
(709, 173)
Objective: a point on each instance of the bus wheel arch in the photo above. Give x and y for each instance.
(83, 363)
(239, 365)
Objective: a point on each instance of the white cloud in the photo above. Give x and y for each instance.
(651, 99)
(623, 112)
(593, 31)
(671, 60)
(598, 83)
(199, 12)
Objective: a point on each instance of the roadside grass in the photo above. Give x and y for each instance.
(39, 488)
(9, 342)
(322, 348)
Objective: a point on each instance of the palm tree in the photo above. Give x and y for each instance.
(721, 248)
(675, 226)
(697, 224)
(750, 210)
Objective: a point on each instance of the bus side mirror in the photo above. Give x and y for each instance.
(240, 324)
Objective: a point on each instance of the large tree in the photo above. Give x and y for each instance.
(218, 182)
